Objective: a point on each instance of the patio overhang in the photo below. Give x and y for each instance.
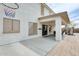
(63, 15)
(58, 19)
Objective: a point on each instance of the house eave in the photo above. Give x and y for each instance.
(63, 15)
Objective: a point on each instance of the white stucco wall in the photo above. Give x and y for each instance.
(46, 12)
(26, 13)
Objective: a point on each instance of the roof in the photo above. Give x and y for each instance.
(64, 15)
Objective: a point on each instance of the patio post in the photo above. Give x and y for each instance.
(58, 28)
(39, 29)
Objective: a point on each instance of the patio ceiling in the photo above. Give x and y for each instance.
(63, 15)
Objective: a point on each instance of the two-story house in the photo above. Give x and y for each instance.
(29, 20)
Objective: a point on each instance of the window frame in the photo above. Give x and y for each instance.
(12, 31)
(31, 34)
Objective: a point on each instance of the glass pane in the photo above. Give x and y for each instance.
(16, 26)
(7, 25)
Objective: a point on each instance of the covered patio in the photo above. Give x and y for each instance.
(55, 21)
(43, 44)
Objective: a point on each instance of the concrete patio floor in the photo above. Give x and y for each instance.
(16, 49)
(30, 47)
(67, 47)
(41, 45)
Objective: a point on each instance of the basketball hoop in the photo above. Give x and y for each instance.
(6, 5)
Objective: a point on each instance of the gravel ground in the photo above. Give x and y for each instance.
(67, 47)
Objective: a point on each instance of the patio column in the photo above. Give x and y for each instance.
(58, 28)
(39, 29)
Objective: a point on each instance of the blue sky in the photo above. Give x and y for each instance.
(71, 8)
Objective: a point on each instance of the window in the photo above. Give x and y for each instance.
(16, 26)
(32, 28)
(11, 25)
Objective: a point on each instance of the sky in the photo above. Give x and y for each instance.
(71, 8)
